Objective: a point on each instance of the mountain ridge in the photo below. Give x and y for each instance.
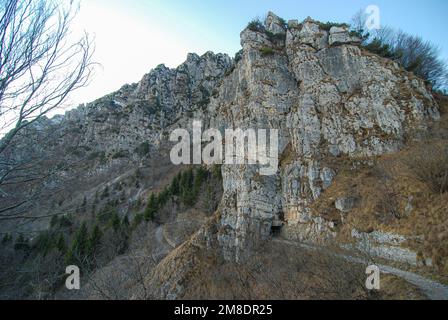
(338, 109)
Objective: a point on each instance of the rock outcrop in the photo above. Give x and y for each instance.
(328, 97)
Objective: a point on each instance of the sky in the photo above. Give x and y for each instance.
(134, 36)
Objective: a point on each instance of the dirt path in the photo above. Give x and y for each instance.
(432, 289)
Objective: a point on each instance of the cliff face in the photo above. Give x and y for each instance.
(331, 100)
(142, 112)
(95, 145)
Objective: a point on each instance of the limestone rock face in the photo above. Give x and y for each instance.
(143, 112)
(274, 24)
(96, 143)
(345, 204)
(340, 35)
(328, 98)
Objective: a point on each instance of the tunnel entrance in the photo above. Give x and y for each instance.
(276, 230)
(277, 225)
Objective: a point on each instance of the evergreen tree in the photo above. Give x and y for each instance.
(163, 197)
(175, 187)
(78, 249)
(151, 208)
(60, 245)
(115, 222)
(94, 239)
(44, 243)
(7, 238)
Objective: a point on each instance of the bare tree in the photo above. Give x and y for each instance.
(41, 62)
(412, 52)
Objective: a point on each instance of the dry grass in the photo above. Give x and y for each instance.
(402, 193)
(394, 288)
(281, 272)
(429, 163)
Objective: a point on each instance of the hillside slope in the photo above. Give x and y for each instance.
(362, 167)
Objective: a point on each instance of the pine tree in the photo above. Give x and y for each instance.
(115, 222)
(7, 238)
(163, 197)
(78, 249)
(60, 245)
(151, 208)
(94, 240)
(174, 187)
(44, 243)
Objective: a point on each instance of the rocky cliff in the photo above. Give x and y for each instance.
(334, 103)
(330, 99)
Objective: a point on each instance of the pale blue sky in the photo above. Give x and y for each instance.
(134, 36)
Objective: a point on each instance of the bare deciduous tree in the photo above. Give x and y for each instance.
(39, 63)
(42, 61)
(412, 52)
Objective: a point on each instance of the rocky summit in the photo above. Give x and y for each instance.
(349, 122)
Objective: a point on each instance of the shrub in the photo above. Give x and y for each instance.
(284, 23)
(383, 49)
(265, 51)
(328, 25)
(255, 25)
(275, 36)
(411, 52)
(430, 165)
(238, 56)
